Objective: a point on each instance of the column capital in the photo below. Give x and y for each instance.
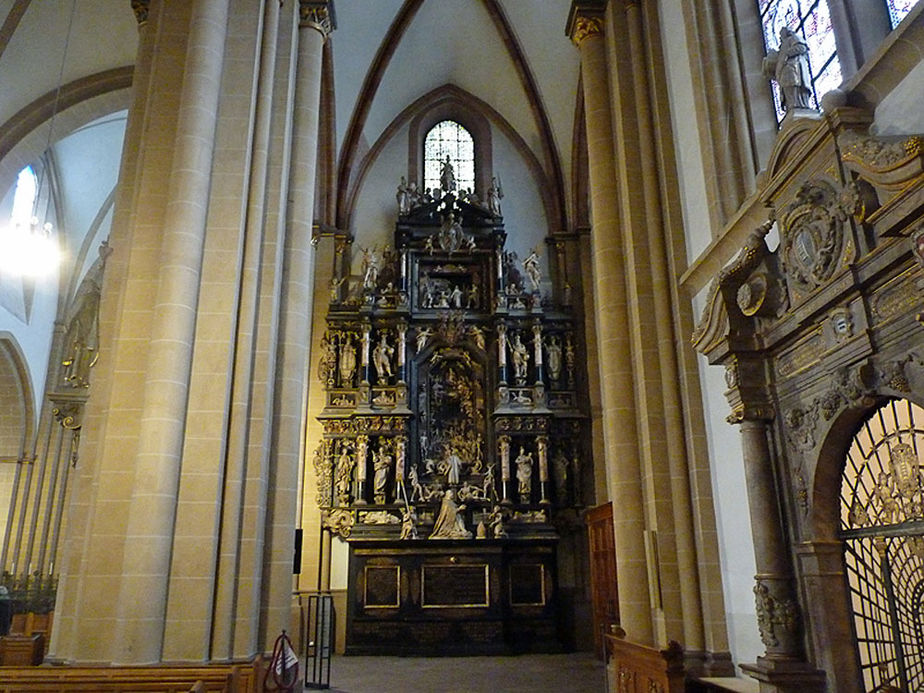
(585, 20)
(317, 14)
(140, 8)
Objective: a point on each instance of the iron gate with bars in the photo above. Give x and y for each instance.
(882, 526)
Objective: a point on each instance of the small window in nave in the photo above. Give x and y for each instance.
(24, 198)
(810, 25)
(899, 9)
(449, 138)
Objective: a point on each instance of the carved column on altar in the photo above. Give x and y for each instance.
(362, 447)
(503, 445)
(365, 388)
(783, 667)
(537, 352)
(402, 352)
(501, 353)
(542, 443)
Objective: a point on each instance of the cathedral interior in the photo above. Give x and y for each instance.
(463, 327)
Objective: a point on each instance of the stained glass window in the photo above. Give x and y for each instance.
(810, 21)
(898, 9)
(449, 138)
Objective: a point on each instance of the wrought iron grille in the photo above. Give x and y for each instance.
(882, 525)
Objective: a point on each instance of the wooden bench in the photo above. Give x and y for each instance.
(634, 668)
(226, 678)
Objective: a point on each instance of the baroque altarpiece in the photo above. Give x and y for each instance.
(453, 452)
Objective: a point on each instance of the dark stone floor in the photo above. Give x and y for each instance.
(575, 673)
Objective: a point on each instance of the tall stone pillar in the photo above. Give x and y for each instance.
(290, 406)
(146, 559)
(783, 667)
(585, 27)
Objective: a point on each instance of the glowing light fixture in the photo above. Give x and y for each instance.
(28, 246)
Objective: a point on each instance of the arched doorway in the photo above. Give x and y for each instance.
(882, 528)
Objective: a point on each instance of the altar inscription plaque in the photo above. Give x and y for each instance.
(463, 586)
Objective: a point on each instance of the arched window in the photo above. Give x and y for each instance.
(898, 9)
(449, 138)
(24, 198)
(810, 21)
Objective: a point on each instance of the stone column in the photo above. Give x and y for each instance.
(362, 446)
(146, 560)
(501, 353)
(542, 443)
(612, 319)
(297, 289)
(503, 444)
(783, 667)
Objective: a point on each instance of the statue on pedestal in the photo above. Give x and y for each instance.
(495, 195)
(381, 358)
(447, 176)
(532, 269)
(524, 464)
(520, 355)
(788, 66)
(370, 268)
(347, 361)
(381, 463)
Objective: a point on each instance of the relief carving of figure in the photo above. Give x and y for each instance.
(381, 358)
(524, 462)
(455, 297)
(450, 524)
(788, 67)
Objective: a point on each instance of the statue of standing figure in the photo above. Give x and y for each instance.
(532, 269)
(553, 357)
(495, 195)
(520, 355)
(370, 268)
(347, 360)
(788, 66)
(381, 463)
(524, 464)
(381, 358)
(403, 196)
(447, 176)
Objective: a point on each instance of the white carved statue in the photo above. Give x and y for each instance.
(495, 195)
(524, 464)
(532, 269)
(447, 176)
(381, 357)
(449, 523)
(788, 66)
(520, 355)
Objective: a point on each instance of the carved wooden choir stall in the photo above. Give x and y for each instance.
(452, 436)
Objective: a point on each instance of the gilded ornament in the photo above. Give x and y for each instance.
(585, 27)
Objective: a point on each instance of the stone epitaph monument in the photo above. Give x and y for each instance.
(451, 458)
